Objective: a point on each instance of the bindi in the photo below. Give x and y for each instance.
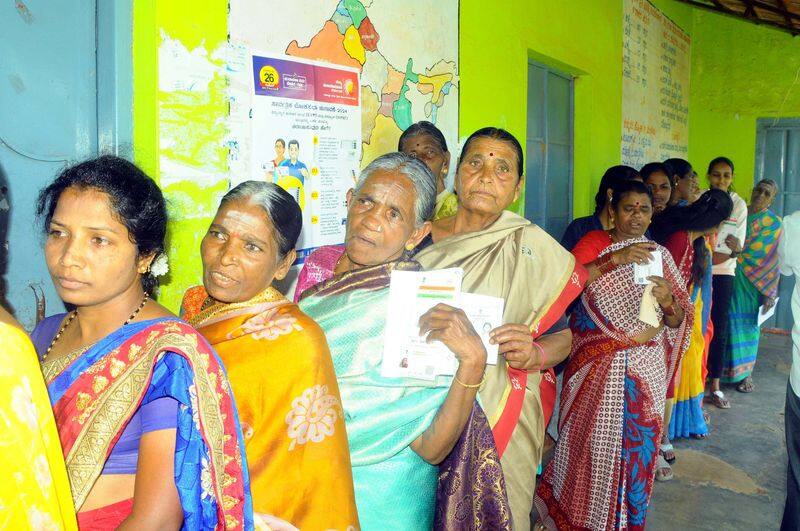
(491, 154)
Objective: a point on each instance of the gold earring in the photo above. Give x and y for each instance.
(409, 247)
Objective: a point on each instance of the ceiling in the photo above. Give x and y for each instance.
(783, 14)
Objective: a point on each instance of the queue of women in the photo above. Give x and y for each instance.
(255, 409)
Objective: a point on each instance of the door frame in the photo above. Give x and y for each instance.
(114, 57)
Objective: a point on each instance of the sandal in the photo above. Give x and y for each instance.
(698, 436)
(663, 470)
(746, 386)
(668, 451)
(718, 399)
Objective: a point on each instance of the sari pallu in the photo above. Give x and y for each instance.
(538, 279)
(280, 369)
(757, 275)
(95, 396)
(394, 487)
(612, 405)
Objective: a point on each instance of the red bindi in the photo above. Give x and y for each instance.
(491, 154)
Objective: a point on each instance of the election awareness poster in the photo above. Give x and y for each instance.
(306, 135)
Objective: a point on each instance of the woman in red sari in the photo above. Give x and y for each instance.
(627, 340)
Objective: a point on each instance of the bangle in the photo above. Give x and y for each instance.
(669, 310)
(605, 263)
(470, 386)
(541, 356)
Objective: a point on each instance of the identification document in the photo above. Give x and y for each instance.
(725, 229)
(411, 294)
(654, 268)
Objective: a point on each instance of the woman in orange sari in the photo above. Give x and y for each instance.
(278, 363)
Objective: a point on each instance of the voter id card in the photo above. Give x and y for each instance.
(654, 268)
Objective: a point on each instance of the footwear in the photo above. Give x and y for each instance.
(668, 451)
(663, 470)
(718, 399)
(746, 386)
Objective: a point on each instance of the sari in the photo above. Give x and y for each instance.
(757, 275)
(96, 391)
(518, 261)
(612, 404)
(395, 488)
(281, 372)
(35, 493)
(687, 413)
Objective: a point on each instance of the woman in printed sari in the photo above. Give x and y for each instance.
(35, 493)
(505, 255)
(755, 285)
(684, 231)
(628, 340)
(143, 407)
(278, 362)
(399, 429)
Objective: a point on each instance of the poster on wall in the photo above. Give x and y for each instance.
(655, 86)
(406, 54)
(306, 138)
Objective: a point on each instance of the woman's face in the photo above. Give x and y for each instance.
(240, 253)
(720, 176)
(424, 147)
(280, 149)
(488, 180)
(762, 197)
(659, 185)
(632, 215)
(89, 252)
(381, 219)
(685, 186)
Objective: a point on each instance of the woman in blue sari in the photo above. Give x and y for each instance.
(147, 423)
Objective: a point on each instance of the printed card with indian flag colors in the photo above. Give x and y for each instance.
(408, 354)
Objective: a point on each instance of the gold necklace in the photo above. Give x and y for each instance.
(74, 313)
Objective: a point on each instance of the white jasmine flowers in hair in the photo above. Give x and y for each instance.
(160, 266)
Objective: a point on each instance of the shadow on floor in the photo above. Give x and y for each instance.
(735, 479)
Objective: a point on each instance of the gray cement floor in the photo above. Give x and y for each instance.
(736, 478)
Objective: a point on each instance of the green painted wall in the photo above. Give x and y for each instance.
(740, 72)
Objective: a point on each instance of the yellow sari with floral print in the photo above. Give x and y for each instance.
(285, 388)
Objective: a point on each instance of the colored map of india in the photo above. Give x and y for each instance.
(397, 90)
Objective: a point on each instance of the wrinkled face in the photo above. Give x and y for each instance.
(280, 149)
(658, 182)
(762, 197)
(294, 151)
(720, 176)
(240, 253)
(425, 148)
(381, 219)
(686, 185)
(488, 180)
(89, 252)
(633, 214)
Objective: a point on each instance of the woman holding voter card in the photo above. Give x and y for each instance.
(630, 330)
(277, 360)
(504, 255)
(400, 428)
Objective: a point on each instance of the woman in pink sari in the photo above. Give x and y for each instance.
(627, 341)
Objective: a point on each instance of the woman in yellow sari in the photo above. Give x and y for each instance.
(36, 492)
(278, 363)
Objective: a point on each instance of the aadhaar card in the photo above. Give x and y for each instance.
(654, 268)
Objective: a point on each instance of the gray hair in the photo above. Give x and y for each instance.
(769, 182)
(420, 175)
(282, 210)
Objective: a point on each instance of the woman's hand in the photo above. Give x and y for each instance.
(638, 253)
(733, 244)
(662, 291)
(452, 327)
(768, 302)
(515, 343)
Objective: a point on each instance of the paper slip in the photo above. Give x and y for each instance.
(411, 294)
(654, 268)
(726, 229)
(762, 317)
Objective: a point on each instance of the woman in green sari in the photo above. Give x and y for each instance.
(755, 285)
(399, 429)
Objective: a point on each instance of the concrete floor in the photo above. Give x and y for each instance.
(736, 478)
